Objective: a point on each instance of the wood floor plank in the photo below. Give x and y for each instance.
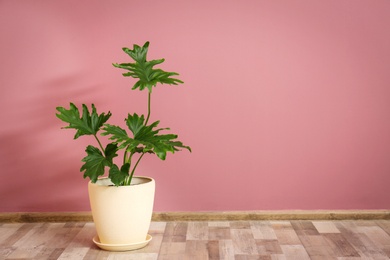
(325, 227)
(196, 250)
(321, 257)
(340, 246)
(156, 230)
(172, 250)
(226, 250)
(154, 245)
(197, 231)
(268, 247)
(278, 257)
(317, 246)
(96, 253)
(157, 227)
(286, 235)
(18, 234)
(362, 244)
(295, 252)
(219, 233)
(304, 227)
(253, 257)
(219, 224)
(380, 238)
(81, 243)
(377, 234)
(8, 237)
(54, 254)
(32, 242)
(368, 248)
(240, 225)
(175, 232)
(385, 225)
(225, 240)
(8, 230)
(281, 224)
(38, 232)
(66, 234)
(213, 249)
(262, 230)
(243, 242)
(6, 251)
(132, 256)
(74, 253)
(83, 236)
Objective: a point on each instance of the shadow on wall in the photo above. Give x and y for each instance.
(32, 158)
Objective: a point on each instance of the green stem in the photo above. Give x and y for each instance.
(124, 156)
(149, 98)
(128, 182)
(127, 159)
(100, 144)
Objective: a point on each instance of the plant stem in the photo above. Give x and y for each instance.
(124, 156)
(128, 182)
(130, 177)
(149, 98)
(127, 159)
(100, 144)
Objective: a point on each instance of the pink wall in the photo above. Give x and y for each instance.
(285, 104)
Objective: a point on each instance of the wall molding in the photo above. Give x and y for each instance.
(29, 217)
(32, 217)
(273, 215)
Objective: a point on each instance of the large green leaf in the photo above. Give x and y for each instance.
(87, 124)
(95, 161)
(144, 70)
(135, 123)
(146, 138)
(110, 152)
(118, 134)
(117, 176)
(149, 137)
(161, 144)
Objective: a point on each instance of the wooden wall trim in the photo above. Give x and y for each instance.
(30, 217)
(207, 216)
(273, 215)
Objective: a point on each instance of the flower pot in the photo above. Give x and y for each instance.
(122, 215)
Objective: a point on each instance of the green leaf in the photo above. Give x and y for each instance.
(138, 53)
(110, 152)
(143, 70)
(94, 163)
(135, 123)
(118, 176)
(87, 124)
(148, 136)
(118, 134)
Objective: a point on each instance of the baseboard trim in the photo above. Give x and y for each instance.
(273, 215)
(30, 217)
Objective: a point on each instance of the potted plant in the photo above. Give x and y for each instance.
(121, 202)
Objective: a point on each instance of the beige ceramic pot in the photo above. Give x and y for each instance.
(122, 215)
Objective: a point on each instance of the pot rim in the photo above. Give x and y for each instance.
(148, 180)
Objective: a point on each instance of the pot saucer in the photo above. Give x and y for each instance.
(121, 247)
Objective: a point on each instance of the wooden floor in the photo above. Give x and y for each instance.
(239, 240)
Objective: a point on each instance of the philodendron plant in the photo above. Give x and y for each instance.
(145, 138)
